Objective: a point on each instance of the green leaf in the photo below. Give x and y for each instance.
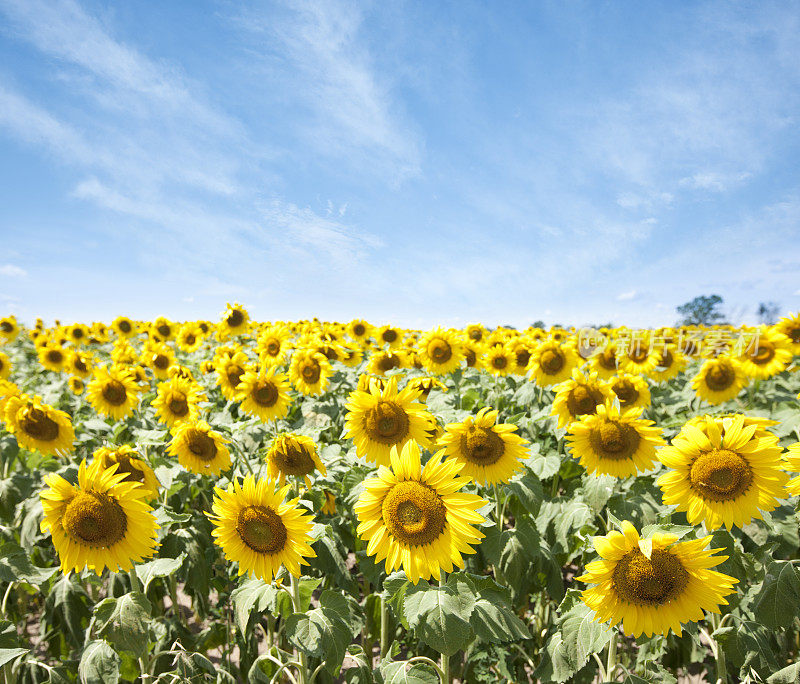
(597, 490)
(347, 608)
(124, 622)
(776, 604)
(160, 567)
(398, 672)
(9, 654)
(66, 606)
(440, 615)
(194, 667)
(544, 465)
(321, 633)
(528, 489)
(255, 596)
(16, 566)
(788, 675)
(99, 664)
(492, 619)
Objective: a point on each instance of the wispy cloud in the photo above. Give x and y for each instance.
(626, 296)
(12, 271)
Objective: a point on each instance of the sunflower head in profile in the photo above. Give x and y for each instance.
(112, 392)
(264, 394)
(293, 455)
(38, 426)
(552, 363)
(671, 363)
(579, 396)
(130, 464)
(768, 354)
(440, 351)
(473, 354)
(389, 336)
(309, 371)
(177, 401)
(490, 453)
(199, 449)
(258, 529)
(124, 327)
(792, 464)
(76, 385)
(5, 366)
(425, 386)
(104, 522)
(366, 382)
(378, 420)
(719, 380)
(614, 442)
(7, 390)
(499, 360)
(416, 518)
(653, 585)
(53, 356)
(230, 371)
(631, 390)
(724, 471)
(382, 361)
(9, 329)
(235, 321)
(190, 337)
(790, 327)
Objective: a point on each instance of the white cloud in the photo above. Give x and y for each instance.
(626, 296)
(715, 181)
(12, 271)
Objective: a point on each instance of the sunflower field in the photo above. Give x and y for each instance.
(316, 502)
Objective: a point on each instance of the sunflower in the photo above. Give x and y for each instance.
(641, 356)
(499, 360)
(9, 329)
(378, 420)
(440, 351)
(366, 382)
(792, 464)
(38, 426)
(230, 370)
(112, 392)
(264, 394)
(52, 356)
(160, 358)
(235, 321)
(80, 364)
(521, 351)
(475, 332)
(163, 329)
(552, 363)
(177, 401)
(190, 337)
(78, 333)
(130, 464)
(329, 505)
(273, 343)
(359, 330)
(416, 518)
(490, 453)
(380, 362)
(719, 380)
(672, 362)
(293, 455)
(790, 326)
(351, 355)
(579, 396)
(5, 366)
(653, 585)
(389, 335)
(473, 353)
(631, 390)
(123, 353)
(257, 528)
(124, 327)
(103, 522)
(7, 390)
(199, 449)
(425, 385)
(309, 371)
(723, 472)
(768, 355)
(76, 385)
(604, 361)
(614, 442)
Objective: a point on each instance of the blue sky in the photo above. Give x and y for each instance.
(412, 162)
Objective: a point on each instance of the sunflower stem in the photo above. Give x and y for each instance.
(384, 627)
(611, 661)
(303, 668)
(445, 674)
(719, 653)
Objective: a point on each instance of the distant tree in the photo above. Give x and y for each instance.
(701, 310)
(509, 326)
(768, 312)
(537, 324)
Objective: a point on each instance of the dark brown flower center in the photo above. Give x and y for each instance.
(94, 519)
(764, 352)
(389, 336)
(626, 392)
(583, 400)
(614, 440)
(125, 326)
(720, 475)
(311, 372)
(178, 406)
(414, 513)
(6, 327)
(720, 376)
(234, 375)
(39, 425)
(201, 445)
(161, 361)
(388, 361)
(359, 329)
(265, 394)
(650, 581)
(482, 446)
(551, 361)
(55, 356)
(235, 318)
(114, 393)
(262, 529)
(439, 351)
(386, 422)
(293, 459)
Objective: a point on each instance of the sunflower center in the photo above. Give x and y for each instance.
(613, 440)
(261, 529)
(178, 406)
(389, 336)
(273, 347)
(475, 334)
(551, 361)
(294, 460)
(95, 519)
(482, 446)
(311, 372)
(359, 329)
(626, 392)
(161, 361)
(499, 362)
(720, 475)
(794, 334)
(77, 333)
(39, 425)
(125, 326)
(124, 465)
(650, 581)
(440, 351)
(80, 365)
(471, 357)
(55, 356)
(164, 330)
(266, 394)
(765, 352)
(189, 339)
(388, 362)
(201, 445)
(6, 327)
(638, 355)
(608, 358)
(386, 422)
(522, 357)
(234, 374)
(720, 376)
(235, 318)
(666, 359)
(114, 393)
(414, 513)
(583, 400)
